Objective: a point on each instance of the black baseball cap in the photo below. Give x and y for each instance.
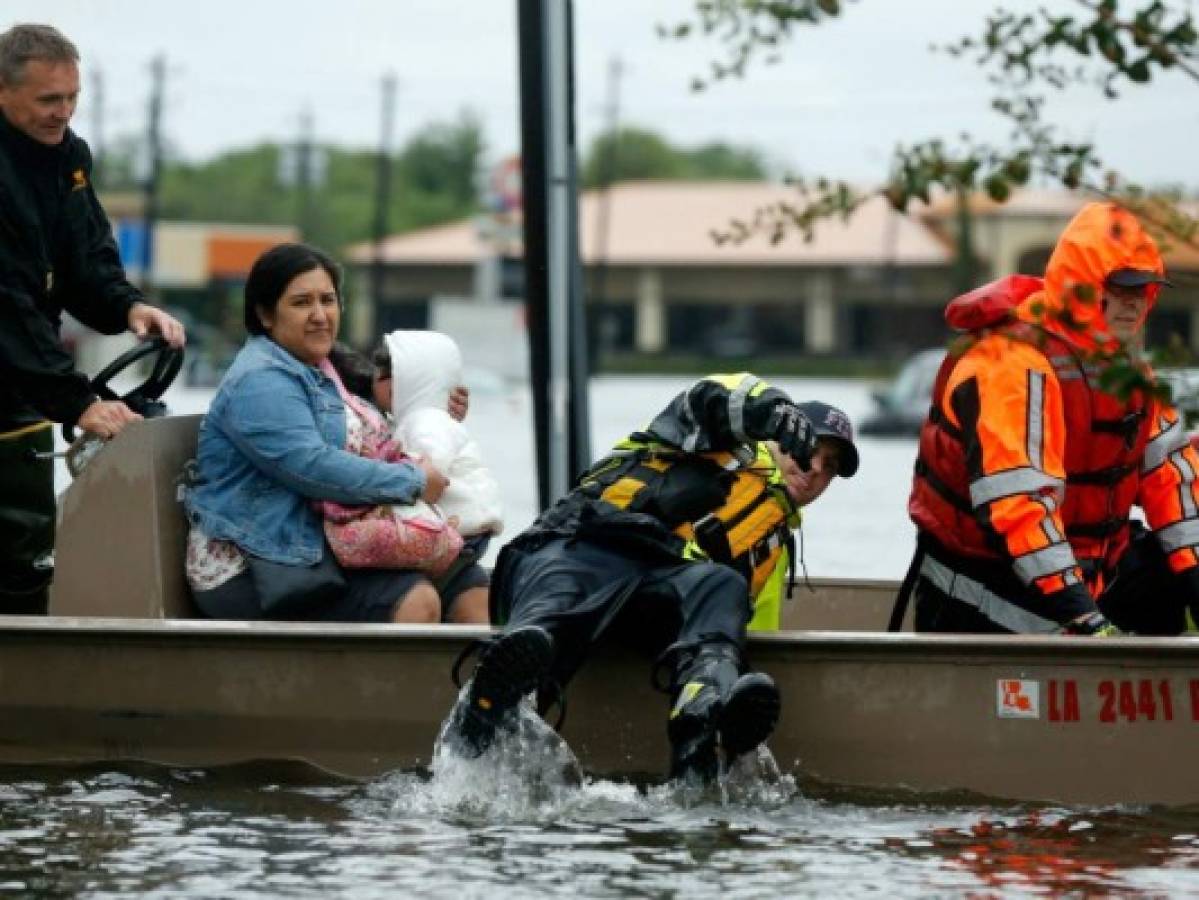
(828, 421)
(1135, 278)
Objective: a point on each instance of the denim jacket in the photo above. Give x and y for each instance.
(272, 441)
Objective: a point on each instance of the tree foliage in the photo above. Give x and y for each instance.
(1027, 56)
(633, 153)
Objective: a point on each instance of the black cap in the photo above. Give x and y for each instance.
(828, 421)
(1135, 278)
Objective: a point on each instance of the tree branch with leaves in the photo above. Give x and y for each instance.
(1027, 55)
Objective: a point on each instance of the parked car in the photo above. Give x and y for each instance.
(903, 404)
(1184, 392)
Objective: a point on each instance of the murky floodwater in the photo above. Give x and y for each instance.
(271, 831)
(250, 833)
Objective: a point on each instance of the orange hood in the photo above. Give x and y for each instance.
(1103, 237)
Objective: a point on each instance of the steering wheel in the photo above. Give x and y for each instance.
(143, 399)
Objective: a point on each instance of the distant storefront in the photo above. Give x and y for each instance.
(657, 282)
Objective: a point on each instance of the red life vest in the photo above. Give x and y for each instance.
(1105, 441)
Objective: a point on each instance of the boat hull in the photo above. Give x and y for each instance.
(1054, 719)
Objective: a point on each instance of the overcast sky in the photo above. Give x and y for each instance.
(243, 71)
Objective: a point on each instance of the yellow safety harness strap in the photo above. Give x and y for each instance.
(28, 429)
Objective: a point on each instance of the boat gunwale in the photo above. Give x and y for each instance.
(1064, 649)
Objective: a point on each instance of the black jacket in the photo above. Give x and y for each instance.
(698, 420)
(56, 253)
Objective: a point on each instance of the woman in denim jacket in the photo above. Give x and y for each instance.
(278, 437)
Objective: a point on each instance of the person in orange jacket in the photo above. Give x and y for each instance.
(1030, 461)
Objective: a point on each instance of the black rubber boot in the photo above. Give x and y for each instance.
(716, 706)
(510, 666)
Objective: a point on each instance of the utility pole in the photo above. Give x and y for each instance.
(382, 189)
(97, 136)
(304, 165)
(158, 68)
(553, 279)
(603, 211)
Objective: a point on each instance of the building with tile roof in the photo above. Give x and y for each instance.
(657, 280)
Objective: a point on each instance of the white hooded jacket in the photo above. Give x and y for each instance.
(425, 367)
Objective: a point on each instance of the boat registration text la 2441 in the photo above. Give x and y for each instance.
(1106, 701)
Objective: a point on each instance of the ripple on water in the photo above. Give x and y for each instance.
(251, 833)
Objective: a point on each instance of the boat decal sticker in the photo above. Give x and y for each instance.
(1017, 698)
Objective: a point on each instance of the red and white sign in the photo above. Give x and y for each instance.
(1017, 698)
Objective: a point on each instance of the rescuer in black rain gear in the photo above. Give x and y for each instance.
(665, 544)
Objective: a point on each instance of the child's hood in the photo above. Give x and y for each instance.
(425, 367)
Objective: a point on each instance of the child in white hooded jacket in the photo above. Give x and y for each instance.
(424, 367)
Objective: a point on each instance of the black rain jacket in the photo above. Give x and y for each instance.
(56, 253)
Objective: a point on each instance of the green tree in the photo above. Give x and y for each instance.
(629, 154)
(432, 182)
(443, 162)
(1028, 56)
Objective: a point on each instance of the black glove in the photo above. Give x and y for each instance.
(792, 431)
(1094, 624)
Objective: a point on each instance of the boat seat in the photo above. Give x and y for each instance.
(121, 537)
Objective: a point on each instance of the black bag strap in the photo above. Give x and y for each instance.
(905, 589)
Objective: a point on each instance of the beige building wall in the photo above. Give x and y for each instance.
(181, 254)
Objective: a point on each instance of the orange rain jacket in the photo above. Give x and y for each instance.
(1025, 459)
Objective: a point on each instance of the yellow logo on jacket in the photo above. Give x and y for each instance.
(78, 180)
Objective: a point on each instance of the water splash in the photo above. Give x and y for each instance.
(527, 771)
(530, 774)
(754, 779)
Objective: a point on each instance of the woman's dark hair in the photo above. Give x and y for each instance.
(355, 370)
(272, 273)
(381, 357)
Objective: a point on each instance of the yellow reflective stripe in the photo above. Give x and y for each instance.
(729, 380)
(768, 602)
(763, 571)
(621, 492)
(28, 429)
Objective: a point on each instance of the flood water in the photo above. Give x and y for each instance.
(253, 833)
(269, 831)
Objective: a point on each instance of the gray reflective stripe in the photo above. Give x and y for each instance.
(689, 428)
(1067, 369)
(1186, 490)
(1024, 480)
(1179, 535)
(1040, 563)
(1036, 417)
(1171, 438)
(1048, 526)
(1001, 612)
(737, 407)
